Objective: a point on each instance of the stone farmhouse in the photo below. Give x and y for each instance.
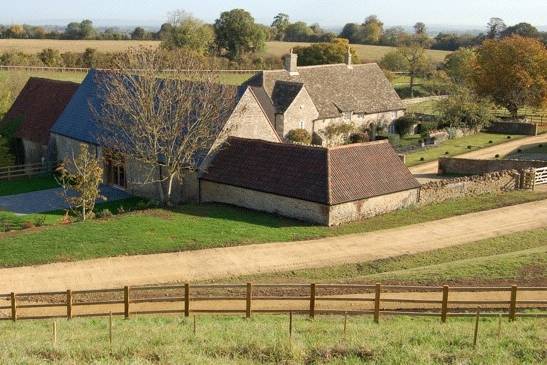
(255, 168)
(314, 97)
(33, 113)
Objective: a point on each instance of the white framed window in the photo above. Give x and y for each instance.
(301, 125)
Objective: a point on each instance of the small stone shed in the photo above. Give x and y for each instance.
(34, 112)
(328, 186)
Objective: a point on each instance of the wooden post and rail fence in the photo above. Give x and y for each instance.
(16, 306)
(27, 170)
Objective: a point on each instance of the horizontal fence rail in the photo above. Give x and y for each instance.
(540, 176)
(27, 170)
(185, 299)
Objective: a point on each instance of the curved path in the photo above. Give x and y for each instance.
(242, 260)
(430, 168)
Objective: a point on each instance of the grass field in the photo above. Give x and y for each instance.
(458, 146)
(276, 49)
(265, 340)
(194, 227)
(519, 257)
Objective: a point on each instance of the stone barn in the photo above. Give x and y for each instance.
(32, 115)
(328, 186)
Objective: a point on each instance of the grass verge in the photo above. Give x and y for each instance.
(27, 185)
(520, 256)
(265, 340)
(194, 227)
(458, 146)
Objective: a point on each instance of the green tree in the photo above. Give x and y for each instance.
(325, 53)
(298, 32)
(513, 72)
(372, 30)
(188, 32)
(459, 65)
(494, 28)
(394, 61)
(522, 29)
(237, 33)
(138, 34)
(420, 28)
(463, 109)
(279, 26)
(73, 31)
(352, 32)
(418, 63)
(86, 29)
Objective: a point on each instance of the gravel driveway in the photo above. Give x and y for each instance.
(49, 200)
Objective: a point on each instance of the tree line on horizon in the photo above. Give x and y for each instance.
(370, 32)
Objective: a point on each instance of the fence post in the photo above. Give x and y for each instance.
(444, 308)
(187, 300)
(249, 300)
(312, 301)
(13, 307)
(69, 304)
(513, 305)
(476, 334)
(377, 303)
(126, 301)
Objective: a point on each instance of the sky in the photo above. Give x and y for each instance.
(326, 12)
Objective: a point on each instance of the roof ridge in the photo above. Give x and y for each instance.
(284, 145)
(363, 144)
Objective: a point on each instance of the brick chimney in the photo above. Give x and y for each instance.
(290, 63)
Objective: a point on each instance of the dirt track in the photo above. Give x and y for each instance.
(242, 260)
(503, 149)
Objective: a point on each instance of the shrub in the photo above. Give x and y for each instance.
(27, 225)
(40, 221)
(299, 136)
(105, 213)
(405, 124)
(424, 128)
(359, 137)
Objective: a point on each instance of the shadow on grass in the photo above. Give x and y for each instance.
(233, 213)
(532, 151)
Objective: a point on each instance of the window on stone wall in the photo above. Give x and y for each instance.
(301, 125)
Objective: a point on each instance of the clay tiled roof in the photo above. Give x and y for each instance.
(337, 88)
(39, 105)
(316, 174)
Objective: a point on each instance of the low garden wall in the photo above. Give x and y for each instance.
(495, 182)
(527, 129)
(465, 166)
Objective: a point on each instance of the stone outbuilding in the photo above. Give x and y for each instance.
(314, 97)
(34, 112)
(328, 186)
(78, 125)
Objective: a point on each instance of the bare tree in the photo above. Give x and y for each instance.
(163, 111)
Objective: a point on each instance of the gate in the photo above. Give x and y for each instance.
(540, 177)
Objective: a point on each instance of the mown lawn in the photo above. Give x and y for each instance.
(26, 185)
(520, 256)
(194, 227)
(265, 340)
(458, 146)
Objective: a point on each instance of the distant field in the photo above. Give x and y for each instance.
(365, 52)
(278, 49)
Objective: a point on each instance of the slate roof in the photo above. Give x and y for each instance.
(39, 105)
(337, 88)
(327, 176)
(284, 93)
(78, 119)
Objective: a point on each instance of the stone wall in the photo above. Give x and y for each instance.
(305, 210)
(212, 192)
(34, 152)
(366, 208)
(527, 129)
(494, 182)
(464, 166)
